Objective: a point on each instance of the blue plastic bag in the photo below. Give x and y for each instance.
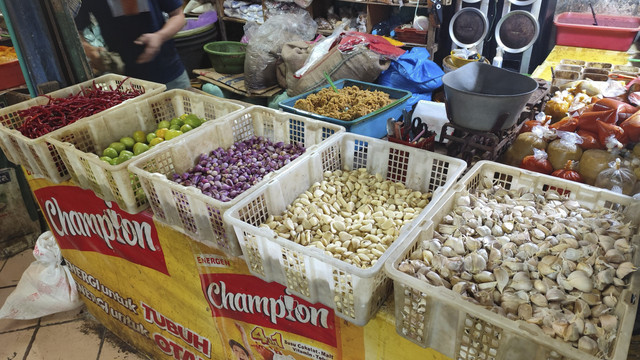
(414, 72)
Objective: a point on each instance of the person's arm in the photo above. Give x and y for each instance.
(153, 41)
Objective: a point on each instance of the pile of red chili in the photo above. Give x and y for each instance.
(58, 112)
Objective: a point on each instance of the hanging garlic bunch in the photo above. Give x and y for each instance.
(536, 257)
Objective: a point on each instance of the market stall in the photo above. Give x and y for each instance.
(392, 208)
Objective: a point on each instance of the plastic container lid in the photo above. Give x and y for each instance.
(468, 27)
(517, 31)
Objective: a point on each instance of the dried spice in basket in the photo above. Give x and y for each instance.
(349, 103)
(535, 257)
(58, 112)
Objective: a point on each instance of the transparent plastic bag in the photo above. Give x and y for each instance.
(565, 148)
(537, 162)
(525, 143)
(617, 178)
(265, 44)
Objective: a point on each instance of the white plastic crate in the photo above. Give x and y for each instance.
(41, 158)
(438, 318)
(354, 293)
(201, 216)
(79, 143)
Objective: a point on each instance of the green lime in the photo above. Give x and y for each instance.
(106, 159)
(118, 146)
(151, 136)
(161, 132)
(176, 121)
(171, 134)
(128, 142)
(124, 156)
(110, 153)
(139, 148)
(139, 136)
(193, 121)
(174, 127)
(155, 141)
(186, 127)
(164, 124)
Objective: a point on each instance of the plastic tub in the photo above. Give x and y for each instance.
(185, 207)
(11, 75)
(36, 155)
(439, 318)
(354, 293)
(79, 143)
(189, 46)
(612, 33)
(227, 57)
(373, 124)
(486, 98)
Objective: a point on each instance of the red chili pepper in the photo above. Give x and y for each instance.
(58, 112)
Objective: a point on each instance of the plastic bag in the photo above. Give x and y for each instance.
(592, 162)
(568, 172)
(263, 49)
(564, 149)
(610, 135)
(45, 288)
(589, 140)
(587, 120)
(413, 72)
(566, 124)
(524, 145)
(537, 162)
(622, 109)
(631, 127)
(617, 178)
(541, 119)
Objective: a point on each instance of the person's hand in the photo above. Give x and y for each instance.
(152, 43)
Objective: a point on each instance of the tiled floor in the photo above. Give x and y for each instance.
(73, 335)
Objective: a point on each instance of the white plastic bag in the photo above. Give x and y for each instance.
(45, 288)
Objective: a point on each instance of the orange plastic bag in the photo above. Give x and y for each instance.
(589, 140)
(587, 121)
(606, 130)
(569, 124)
(631, 128)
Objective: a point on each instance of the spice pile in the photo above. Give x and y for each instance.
(58, 112)
(541, 258)
(351, 215)
(349, 103)
(224, 174)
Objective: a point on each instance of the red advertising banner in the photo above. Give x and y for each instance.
(251, 300)
(82, 221)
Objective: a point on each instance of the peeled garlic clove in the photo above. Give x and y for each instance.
(521, 281)
(614, 256)
(483, 230)
(580, 280)
(559, 328)
(608, 322)
(610, 301)
(604, 278)
(472, 244)
(618, 282)
(622, 245)
(460, 287)
(590, 328)
(406, 268)
(571, 332)
(448, 252)
(474, 263)
(591, 298)
(484, 276)
(599, 310)
(456, 244)
(588, 345)
(540, 285)
(525, 311)
(611, 290)
(555, 294)
(502, 277)
(625, 269)
(572, 254)
(585, 267)
(581, 308)
(539, 300)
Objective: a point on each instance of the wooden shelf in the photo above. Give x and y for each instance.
(411, 5)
